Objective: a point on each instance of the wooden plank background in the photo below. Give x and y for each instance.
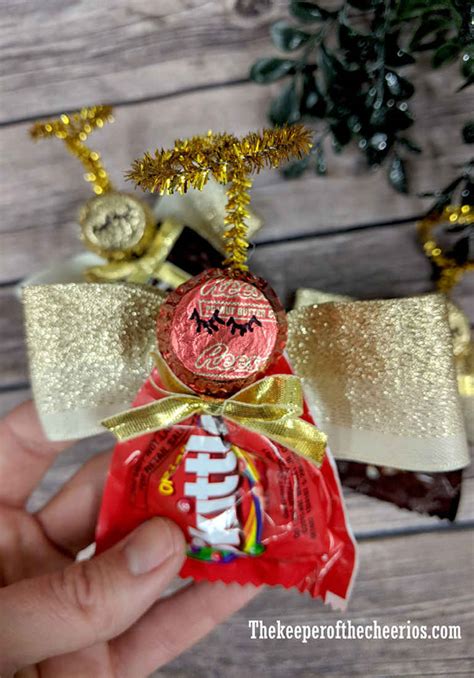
(167, 66)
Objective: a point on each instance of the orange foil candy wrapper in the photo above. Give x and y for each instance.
(252, 511)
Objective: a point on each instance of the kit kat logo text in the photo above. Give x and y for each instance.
(217, 523)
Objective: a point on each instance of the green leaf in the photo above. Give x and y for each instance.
(410, 145)
(296, 168)
(312, 101)
(466, 84)
(270, 69)
(394, 56)
(397, 175)
(341, 133)
(467, 62)
(444, 197)
(468, 132)
(284, 109)
(463, 17)
(378, 116)
(398, 118)
(359, 46)
(410, 9)
(378, 147)
(446, 53)
(361, 4)
(288, 38)
(399, 88)
(320, 166)
(463, 250)
(331, 67)
(430, 25)
(308, 12)
(457, 228)
(467, 193)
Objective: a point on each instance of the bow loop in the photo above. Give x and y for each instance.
(282, 389)
(271, 406)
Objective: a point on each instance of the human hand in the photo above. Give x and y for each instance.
(100, 617)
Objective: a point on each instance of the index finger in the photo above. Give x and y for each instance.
(25, 454)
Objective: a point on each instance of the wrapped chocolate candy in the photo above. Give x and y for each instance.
(126, 239)
(243, 474)
(434, 494)
(220, 437)
(221, 330)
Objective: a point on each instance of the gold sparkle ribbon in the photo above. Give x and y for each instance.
(378, 376)
(272, 407)
(461, 347)
(151, 264)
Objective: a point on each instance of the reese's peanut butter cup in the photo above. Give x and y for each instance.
(221, 330)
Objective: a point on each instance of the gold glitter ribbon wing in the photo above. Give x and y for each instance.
(378, 375)
(462, 347)
(272, 407)
(88, 347)
(380, 379)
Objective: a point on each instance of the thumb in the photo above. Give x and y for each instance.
(89, 601)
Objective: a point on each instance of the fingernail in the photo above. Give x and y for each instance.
(151, 544)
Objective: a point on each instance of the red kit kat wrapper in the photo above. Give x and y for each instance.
(252, 511)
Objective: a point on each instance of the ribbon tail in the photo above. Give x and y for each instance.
(172, 275)
(154, 416)
(301, 437)
(109, 272)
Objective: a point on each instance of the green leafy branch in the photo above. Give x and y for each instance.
(342, 71)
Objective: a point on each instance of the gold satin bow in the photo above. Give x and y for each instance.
(272, 407)
(151, 264)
